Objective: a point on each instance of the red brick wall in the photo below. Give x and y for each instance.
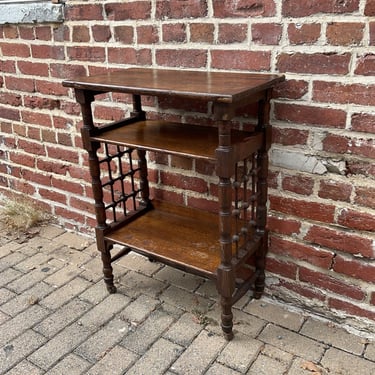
(322, 191)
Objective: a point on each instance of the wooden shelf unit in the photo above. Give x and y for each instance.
(229, 246)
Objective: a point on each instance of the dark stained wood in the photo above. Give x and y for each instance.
(195, 244)
(208, 86)
(218, 246)
(179, 139)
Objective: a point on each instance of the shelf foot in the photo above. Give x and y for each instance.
(111, 289)
(228, 336)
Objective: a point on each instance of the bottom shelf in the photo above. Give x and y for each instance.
(180, 236)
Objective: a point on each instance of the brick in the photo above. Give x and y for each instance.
(71, 364)
(354, 146)
(299, 290)
(356, 310)
(136, 312)
(335, 190)
(139, 263)
(304, 33)
(35, 276)
(298, 184)
(282, 268)
(199, 355)
(264, 365)
(312, 255)
(136, 10)
(147, 34)
(43, 32)
(21, 322)
(101, 33)
(104, 311)
(363, 122)
(124, 34)
(51, 88)
(202, 32)
(275, 314)
(18, 349)
(232, 33)
(12, 99)
(7, 67)
(370, 8)
(10, 114)
(184, 182)
(85, 12)
(357, 269)
(184, 330)
(59, 346)
(133, 56)
(192, 58)
(331, 283)
(301, 366)
(292, 343)
(312, 115)
(356, 220)
(43, 51)
(10, 31)
(97, 345)
(283, 225)
(147, 333)
(348, 363)
(41, 102)
(294, 8)
(305, 209)
(181, 9)
(179, 278)
(333, 335)
(85, 53)
(340, 240)
(65, 275)
(80, 34)
(372, 34)
(20, 84)
(291, 89)
(266, 33)
(333, 92)
(240, 353)
(115, 362)
(241, 60)
(15, 49)
(314, 63)
(174, 33)
(159, 357)
(345, 33)
(365, 196)
(33, 68)
(365, 65)
(62, 317)
(37, 118)
(25, 367)
(244, 8)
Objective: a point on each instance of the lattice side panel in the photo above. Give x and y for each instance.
(120, 181)
(244, 204)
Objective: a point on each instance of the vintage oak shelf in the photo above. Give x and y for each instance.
(229, 246)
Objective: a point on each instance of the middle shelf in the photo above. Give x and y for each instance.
(193, 141)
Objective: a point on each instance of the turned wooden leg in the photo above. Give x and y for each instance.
(260, 262)
(227, 318)
(107, 269)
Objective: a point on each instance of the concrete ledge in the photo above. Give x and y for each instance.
(32, 12)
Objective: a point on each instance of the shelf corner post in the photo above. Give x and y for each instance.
(85, 99)
(262, 187)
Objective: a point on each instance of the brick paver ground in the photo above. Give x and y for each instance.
(56, 317)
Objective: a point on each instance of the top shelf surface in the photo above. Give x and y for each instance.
(209, 86)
